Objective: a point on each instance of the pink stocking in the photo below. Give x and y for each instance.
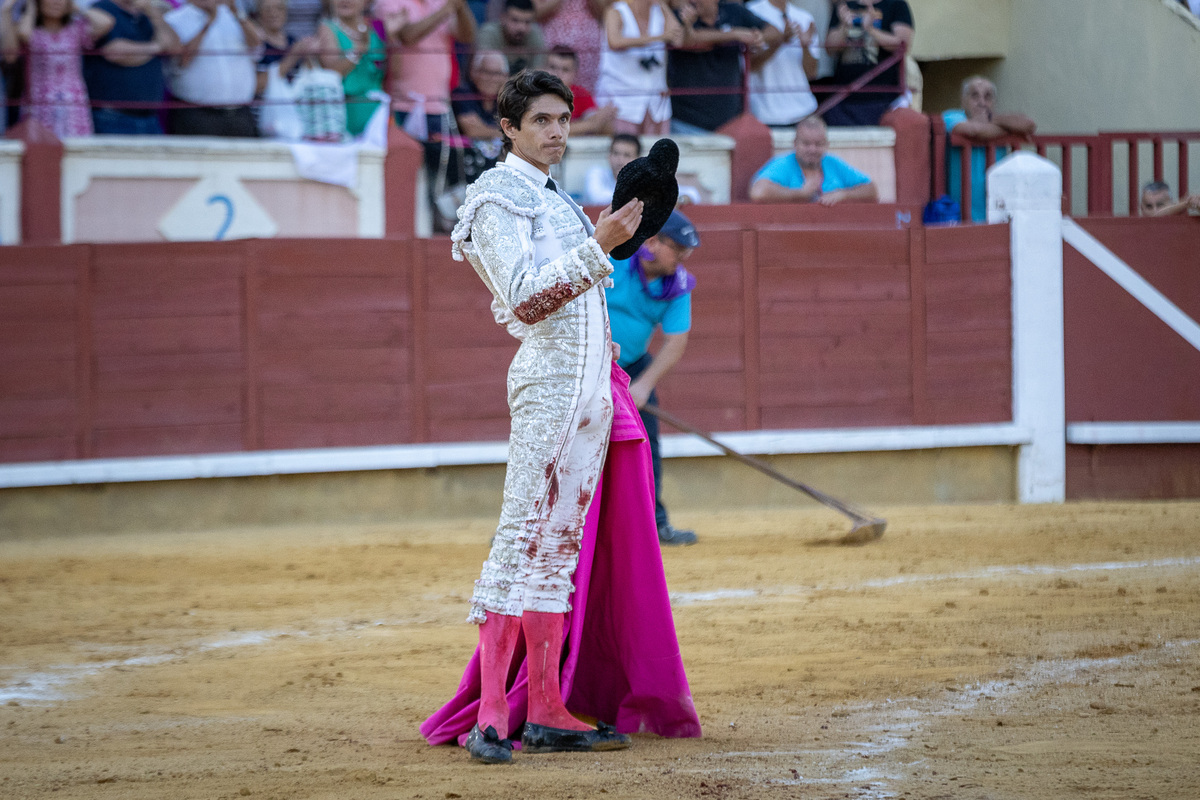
(543, 643)
(497, 640)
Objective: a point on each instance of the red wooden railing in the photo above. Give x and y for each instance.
(1101, 151)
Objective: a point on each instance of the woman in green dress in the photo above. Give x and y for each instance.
(351, 46)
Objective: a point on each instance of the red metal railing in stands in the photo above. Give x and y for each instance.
(1160, 142)
(1100, 179)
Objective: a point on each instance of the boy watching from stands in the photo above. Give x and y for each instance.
(587, 118)
(601, 180)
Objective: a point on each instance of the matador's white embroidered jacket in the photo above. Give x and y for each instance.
(533, 249)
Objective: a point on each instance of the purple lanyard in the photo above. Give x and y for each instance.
(675, 285)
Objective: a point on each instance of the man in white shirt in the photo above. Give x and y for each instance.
(214, 70)
(779, 92)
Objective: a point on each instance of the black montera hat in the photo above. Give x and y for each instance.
(650, 179)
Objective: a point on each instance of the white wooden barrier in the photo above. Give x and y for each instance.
(11, 153)
(1025, 190)
(704, 163)
(184, 188)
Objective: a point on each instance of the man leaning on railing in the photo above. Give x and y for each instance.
(978, 120)
(1157, 201)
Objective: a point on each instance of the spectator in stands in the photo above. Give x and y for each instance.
(475, 101)
(711, 59)
(587, 118)
(279, 46)
(811, 174)
(577, 24)
(128, 67)
(214, 69)
(779, 92)
(633, 64)
(517, 35)
(54, 37)
(601, 181)
(420, 67)
(303, 17)
(861, 34)
(1157, 202)
(350, 45)
(978, 120)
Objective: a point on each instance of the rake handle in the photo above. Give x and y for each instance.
(758, 464)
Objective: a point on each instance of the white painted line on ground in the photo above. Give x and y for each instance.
(717, 595)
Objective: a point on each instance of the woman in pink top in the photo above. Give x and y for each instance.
(56, 37)
(422, 35)
(575, 23)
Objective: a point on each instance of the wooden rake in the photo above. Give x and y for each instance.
(867, 528)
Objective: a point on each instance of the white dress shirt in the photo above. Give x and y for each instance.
(223, 71)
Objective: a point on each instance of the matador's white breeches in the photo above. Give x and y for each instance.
(548, 489)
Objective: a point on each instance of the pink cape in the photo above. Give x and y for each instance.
(621, 660)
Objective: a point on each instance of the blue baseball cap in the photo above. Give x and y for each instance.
(680, 230)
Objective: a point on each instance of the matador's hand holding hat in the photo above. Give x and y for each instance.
(650, 179)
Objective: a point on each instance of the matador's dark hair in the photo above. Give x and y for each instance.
(519, 92)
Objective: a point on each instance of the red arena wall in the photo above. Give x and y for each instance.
(804, 318)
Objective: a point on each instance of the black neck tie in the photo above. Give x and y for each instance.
(582, 217)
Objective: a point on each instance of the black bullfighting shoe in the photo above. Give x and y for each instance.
(487, 747)
(544, 739)
(670, 535)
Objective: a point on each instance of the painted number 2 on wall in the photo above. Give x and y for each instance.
(221, 199)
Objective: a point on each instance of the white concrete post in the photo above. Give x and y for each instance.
(1026, 191)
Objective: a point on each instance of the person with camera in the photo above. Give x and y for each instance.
(633, 65)
(861, 34)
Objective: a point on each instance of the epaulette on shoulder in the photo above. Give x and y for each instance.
(505, 188)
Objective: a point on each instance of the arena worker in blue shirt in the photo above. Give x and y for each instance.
(810, 174)
(652, 290)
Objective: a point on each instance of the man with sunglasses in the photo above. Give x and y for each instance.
(652, 290)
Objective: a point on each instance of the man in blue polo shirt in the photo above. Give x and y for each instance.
(811, 174)
(652, 290)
